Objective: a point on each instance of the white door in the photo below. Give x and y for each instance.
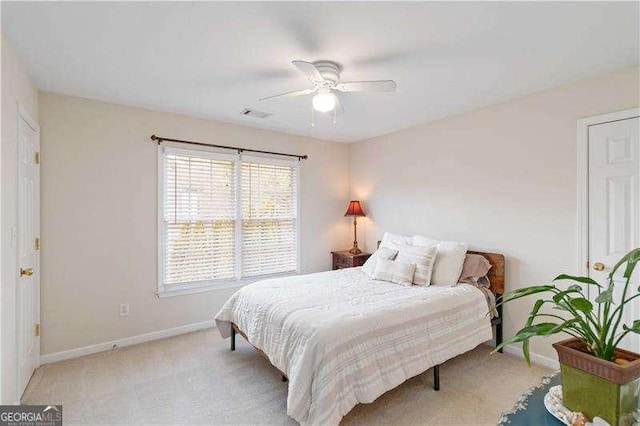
(614, 199)
(28, 294)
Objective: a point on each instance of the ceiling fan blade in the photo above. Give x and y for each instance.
(308, 69)
(291, 94)
(367, 86)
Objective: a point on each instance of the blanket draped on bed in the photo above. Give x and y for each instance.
(342, 338)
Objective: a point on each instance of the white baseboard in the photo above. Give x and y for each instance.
(175, 331)
(535, 358)
(127, 341)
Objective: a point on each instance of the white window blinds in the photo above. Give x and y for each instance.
(225, 217)
(269, 218)
(199, 219)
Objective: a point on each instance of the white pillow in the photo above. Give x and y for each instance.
(420, 241)
(423, 257)
(382, 253)
(449, 260)
(392, 240)
(395, 272)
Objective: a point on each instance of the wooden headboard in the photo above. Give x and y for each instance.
(496, 273)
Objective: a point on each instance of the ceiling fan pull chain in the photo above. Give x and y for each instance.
(335, 121)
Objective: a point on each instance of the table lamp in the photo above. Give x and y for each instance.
(355, 210)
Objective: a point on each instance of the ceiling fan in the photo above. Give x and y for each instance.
(325, 77)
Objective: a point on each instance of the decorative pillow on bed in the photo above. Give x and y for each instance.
(394, 271)
(474, 272)
(423, 257)
(392, 240)
(382, 253)
(449, 260)
(475, 267)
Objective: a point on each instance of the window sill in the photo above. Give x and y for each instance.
(217, 285)
(181, 291)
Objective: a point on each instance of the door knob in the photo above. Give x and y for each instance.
(598, 266)
(28, 272)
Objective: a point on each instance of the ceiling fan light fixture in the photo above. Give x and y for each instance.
(325, 79)
(324, 101)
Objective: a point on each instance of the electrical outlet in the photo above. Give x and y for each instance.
(124, 309)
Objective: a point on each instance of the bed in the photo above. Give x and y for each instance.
(342, 338)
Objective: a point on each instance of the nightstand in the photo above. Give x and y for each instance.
(343, 259)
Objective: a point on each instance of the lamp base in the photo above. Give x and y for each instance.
(355, 249)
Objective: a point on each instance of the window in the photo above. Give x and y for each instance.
(269, 218)
(224, 218)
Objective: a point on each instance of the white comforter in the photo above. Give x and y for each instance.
(342, 338)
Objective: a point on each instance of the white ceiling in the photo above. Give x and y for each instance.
(212, 60)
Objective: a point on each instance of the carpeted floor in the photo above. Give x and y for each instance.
(195, 379)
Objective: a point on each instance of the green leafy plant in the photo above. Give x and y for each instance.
(598, 327)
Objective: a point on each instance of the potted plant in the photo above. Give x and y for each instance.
(598, 378)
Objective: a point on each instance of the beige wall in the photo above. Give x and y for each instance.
(502, 178)
(16, 88)
(99, 216)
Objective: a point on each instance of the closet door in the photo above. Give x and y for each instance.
(614, 216)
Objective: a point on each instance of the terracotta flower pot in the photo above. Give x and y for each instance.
(597, 387)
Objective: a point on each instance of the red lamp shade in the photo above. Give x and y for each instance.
(354, 209)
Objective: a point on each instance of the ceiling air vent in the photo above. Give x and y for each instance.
(253, 113)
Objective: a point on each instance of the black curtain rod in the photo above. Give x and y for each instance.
(159, 140)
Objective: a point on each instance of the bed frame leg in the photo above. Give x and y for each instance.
(436, 378)
(284, 378)
(233, 338)
(499, 328)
